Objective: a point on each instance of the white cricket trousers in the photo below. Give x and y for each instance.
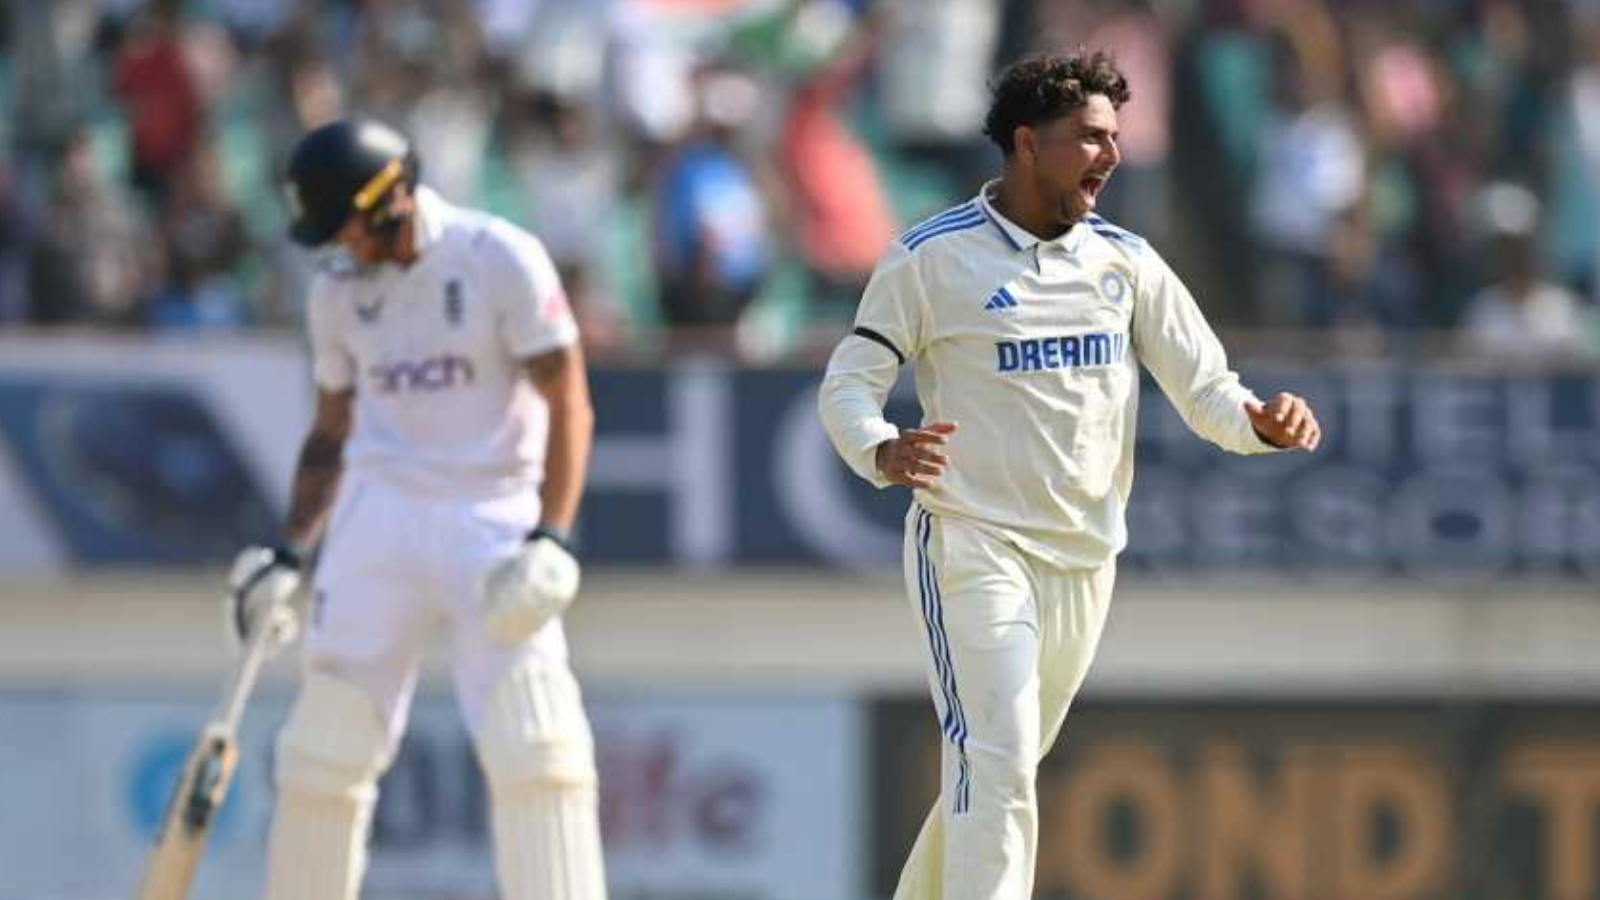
(1009, 640)
(399, 567)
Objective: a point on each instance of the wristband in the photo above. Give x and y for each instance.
(289, 557)
(558, 535)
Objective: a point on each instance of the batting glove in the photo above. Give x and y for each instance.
(259, 587)
(526, 590)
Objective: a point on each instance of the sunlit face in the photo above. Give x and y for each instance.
(366, 246)
(356, 239)
(1070, 159)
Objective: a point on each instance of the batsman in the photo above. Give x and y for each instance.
(440, 477)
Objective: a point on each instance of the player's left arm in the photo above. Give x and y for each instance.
(529, 588)
(538, 329)
(1177, 345)
(561, 377)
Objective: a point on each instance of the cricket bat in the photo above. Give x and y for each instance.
(181, 839)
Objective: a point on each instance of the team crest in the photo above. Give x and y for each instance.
(369, 313)
(1114, 286)
(454, 307)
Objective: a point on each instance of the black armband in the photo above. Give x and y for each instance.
(882, 341)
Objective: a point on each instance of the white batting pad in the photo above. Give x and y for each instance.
(527, 590)
(538, 755)
(329, 757)
(547, 844)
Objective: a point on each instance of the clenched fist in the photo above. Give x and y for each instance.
(1285, 421)
(916, 458)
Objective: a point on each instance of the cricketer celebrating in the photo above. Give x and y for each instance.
(1027, 316)
(447, 456)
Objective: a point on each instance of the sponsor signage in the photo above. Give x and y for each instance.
(1287, 801)
(1423, 472)
(702, 796)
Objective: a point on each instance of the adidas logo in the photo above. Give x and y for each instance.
(1001, 299)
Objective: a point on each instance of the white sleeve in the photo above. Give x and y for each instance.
(1173, 340)
(534, 314)
(888, 332)
(332, 366)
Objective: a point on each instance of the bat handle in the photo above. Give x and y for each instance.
(277, 630)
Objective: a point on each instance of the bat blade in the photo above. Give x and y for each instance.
(186, 826)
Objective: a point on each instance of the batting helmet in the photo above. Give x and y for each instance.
(341, 169)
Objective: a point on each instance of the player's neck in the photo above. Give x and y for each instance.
(1019, 203)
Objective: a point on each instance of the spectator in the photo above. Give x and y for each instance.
(1310, 176)
(712, 252)
(164, 104)
(54, 74)
(1520, 317)
(421, 65)
(841, 214)
(1422, 168)
(208, 246)
(649, 75)
(568, 178)
(1583, 105)
(1220, 98)
(92, 262)
(935, 59)
(16, 240)
(1340, 197)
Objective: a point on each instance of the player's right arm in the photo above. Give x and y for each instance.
(319, 468)
(321, 462)
(889, 330)
(263, 578)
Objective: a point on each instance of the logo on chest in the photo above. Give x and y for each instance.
(368, 313)
(442, 372)
(1083, 290)
(1001, 301)
(1068, 351)
(1113, 286)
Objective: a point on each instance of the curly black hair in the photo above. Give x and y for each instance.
(1044, 88)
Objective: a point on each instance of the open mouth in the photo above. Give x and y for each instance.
(1092, 185)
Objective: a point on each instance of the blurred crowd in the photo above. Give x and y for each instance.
(722, 174)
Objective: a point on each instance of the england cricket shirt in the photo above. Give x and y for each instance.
(434, 353)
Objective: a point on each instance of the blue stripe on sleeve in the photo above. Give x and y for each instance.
(1107, 230)
(961, 224)
(935, 221)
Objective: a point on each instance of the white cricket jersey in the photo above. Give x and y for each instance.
(1032, 347)
(434, 354)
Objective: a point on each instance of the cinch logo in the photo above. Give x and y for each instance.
(440, 373)
(1066, 352)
